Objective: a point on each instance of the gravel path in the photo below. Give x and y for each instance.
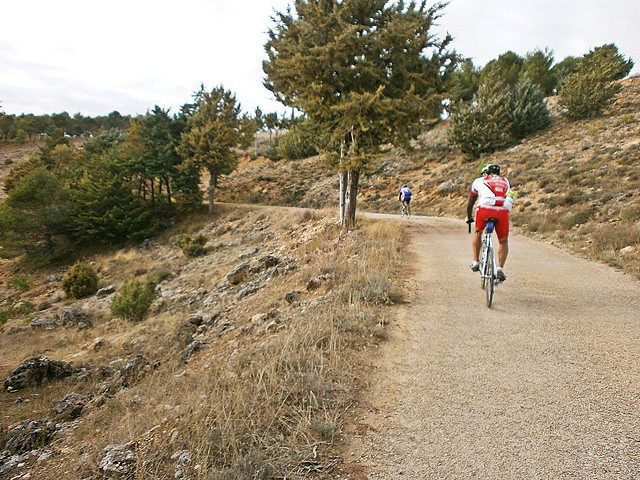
(545, 385)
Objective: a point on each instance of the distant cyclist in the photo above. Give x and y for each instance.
(404, 196)
(493, 194)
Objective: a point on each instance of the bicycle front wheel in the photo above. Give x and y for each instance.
(490, 278)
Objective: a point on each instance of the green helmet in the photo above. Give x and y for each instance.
(490, 169)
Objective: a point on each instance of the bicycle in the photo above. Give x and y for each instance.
(488, 278)
(406, 209)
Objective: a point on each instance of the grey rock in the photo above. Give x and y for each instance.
(119, 461)
(73, 317)
(36, 371)
(263, 263)
(103, 292)
(238, 274)
(293, 296)
(29, 435)
(192, 348)
(71, 406)
(43, 323)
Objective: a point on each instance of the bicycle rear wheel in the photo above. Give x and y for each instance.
(490, 278)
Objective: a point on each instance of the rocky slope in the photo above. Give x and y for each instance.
(243, 369)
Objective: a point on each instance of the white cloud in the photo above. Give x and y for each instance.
(96, 57)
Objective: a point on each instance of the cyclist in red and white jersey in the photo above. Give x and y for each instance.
(493, 195)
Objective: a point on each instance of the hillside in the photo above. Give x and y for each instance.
(256, 355)
(245, 367)
(576, 182)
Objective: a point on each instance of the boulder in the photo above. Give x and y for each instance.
(74, 317)
(238, 274)
(263, 263)
(29, 435)
(35, 371)
(44, 323)
(70, 406)
(119, 461)
(103, 292)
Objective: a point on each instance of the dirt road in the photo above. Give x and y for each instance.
(545, 385)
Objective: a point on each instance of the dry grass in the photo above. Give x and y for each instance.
(260, 400)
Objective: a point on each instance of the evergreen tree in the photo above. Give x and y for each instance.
(506, 67)
(465, 82)
(35, 215)
(563, 70)
(528, 110)
(486, 125)
(592, 88)
(215, 128)
(105, 210)
(607, 62)
(538, 68)
(365, 73)
(53, 140)
(585, 94)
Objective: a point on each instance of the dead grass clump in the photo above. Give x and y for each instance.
(614, 237)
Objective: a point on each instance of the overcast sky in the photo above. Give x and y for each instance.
(95, 57)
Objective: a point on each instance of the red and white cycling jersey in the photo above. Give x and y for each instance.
(492, 192)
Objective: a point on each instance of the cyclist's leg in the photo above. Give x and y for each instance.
(476, 243)
(503, 251)
(502, 230)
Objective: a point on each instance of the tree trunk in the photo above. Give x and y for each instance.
(342, 175)
(343, 195)
(168, 185)
(353, 177)
(212, 186)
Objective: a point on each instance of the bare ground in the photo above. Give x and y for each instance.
(544, 385)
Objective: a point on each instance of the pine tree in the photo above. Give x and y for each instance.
(537, 67)
(365, 73)
(215, 127)
(528, 110)
(486, 125)
(592, 88)
(35, 215)
(105, 210)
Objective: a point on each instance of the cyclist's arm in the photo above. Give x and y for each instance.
(470, 204)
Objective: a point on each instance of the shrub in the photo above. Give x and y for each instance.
(528, 110)
(499, 117)
(585, 94)
(81, 280)
(193, 246)
(20, 283)
(296, 144)
(134, 300)
(21, 308)
(616, 236)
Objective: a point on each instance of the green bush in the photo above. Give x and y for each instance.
(585, 94)
(193, 246)
(20, 283)
(134, 299)
(528, 110)
(296, 144)
(81, 280)
(499, 116)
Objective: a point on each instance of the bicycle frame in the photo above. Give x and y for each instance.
(488, 264)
